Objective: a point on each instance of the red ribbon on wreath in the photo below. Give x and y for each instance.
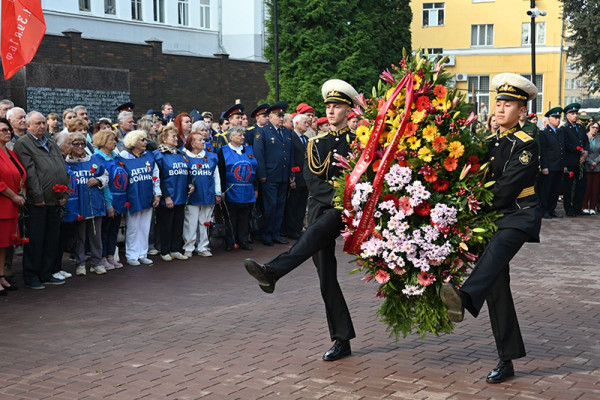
(367, 223)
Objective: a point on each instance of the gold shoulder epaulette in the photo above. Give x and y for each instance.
(250, 128)
(523, 136)
(319, 136)
(490, 136)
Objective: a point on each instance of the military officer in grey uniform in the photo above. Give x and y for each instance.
(325, 222)
(514, 165)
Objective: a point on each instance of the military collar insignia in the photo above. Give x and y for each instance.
(340, 132)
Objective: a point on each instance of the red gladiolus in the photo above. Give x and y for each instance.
(25, 240)
(127, 205)
(423, 209)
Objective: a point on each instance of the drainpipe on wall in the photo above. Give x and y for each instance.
(222, 50)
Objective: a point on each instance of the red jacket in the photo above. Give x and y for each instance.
(10, 178)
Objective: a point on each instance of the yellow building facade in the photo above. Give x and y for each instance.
(483, 38)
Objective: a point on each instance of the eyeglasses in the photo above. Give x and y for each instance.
(78, 144)
(4, 130)
(143, 139)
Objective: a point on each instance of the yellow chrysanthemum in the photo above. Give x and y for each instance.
(425, 154)
(413, 142)
(442, 104)
(417, 82)
(418, 116)
(456, 149)
(430, 133)
(363, 133)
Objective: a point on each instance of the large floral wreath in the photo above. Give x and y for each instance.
(413, 194)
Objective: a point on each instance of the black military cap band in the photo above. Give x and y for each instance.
(510, 92)
(336, 96)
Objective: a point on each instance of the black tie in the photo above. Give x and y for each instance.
(303, 140)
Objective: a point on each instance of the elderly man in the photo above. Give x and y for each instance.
(81, 112)
(5, 105)
(125, 124)
(45, 167)
(16, 117)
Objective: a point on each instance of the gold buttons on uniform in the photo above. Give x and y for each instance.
(492, 159)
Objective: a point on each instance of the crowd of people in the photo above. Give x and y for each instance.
(167, 180)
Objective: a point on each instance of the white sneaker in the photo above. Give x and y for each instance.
(133, 262)
(58, 275)
(592, 212)
(153, 252)
(166, 257)
(98, 269)
(188, 254)
(586, 211)
(178, 256)
(65, 274)
(80, 270)
(146, 261)
(206, 253)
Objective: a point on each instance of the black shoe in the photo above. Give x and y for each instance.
(264, 274)
(280, 241)
(452, 299)
(3, 292)
(54, 281)
(547, 216)
(554, 214)
(580, 212)
(503, 371)
(340, 349)
(9, 288)
(246, 246)
(267, 243)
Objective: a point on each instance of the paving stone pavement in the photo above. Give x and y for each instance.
(202, 329)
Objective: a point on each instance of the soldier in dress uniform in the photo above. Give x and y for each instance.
(234, 116)
(577, 146)
(325, 222)
(552, 163)
(261, 117)
(514, 165)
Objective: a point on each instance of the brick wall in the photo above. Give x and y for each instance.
(205, 83)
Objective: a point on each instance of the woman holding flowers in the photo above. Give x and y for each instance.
(115, 194)
(206, 180)
(143, 194)
(513, 166)
(86, 204)
(176, 188)
(12, 178)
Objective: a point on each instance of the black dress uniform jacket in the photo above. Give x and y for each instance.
(552, 149)
(574, 136)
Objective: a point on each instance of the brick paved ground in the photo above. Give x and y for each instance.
(203, 329)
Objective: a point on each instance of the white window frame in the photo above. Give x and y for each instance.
(486, 35)
(433, 14)
(85, 5)
(205, 14)
(483, 91)
(540, 33)
(158, 11)
(136, 10)
(183, 12)
(110, 5)
(539, 100)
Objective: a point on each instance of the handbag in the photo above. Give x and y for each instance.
(257, 220)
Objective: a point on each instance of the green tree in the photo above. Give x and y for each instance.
(583, 22)
(353, 40)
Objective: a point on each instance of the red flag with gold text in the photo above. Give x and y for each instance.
(23, 28)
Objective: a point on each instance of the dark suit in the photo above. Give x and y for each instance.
(318, 242)
(275, 154)
(574, 181)
(295, 206)
(552, 158)
(513, 157)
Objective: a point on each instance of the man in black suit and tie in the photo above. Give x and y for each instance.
(295, 207)
(552, 163)
(577, 146)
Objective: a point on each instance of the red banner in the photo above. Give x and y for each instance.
(366, 225)
(23, 28)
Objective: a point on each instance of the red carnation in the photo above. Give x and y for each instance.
(93, 170)
(423, 209)
(571, 174)
(79, 218)
(579, 149)
(236, 246)
(199, 165)
(296, 169)
(440, 185)
(154, 178)
(25, 240)
(207, 224)
(60, 188)
(127, 205)
(72, 191)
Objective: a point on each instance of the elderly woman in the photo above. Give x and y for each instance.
(592, 166)
(85, 206)
(237, 169)
(204, 129)
(150, 125)
(205, 178)
(176, 188)
(12, 178)
(143, 194)
(81, 126)
(115, 194)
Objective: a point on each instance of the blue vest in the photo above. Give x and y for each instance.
(140, 193)
(90, 200)
(117, 182)
(240, 171)
(203, 179)
(173, 176)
